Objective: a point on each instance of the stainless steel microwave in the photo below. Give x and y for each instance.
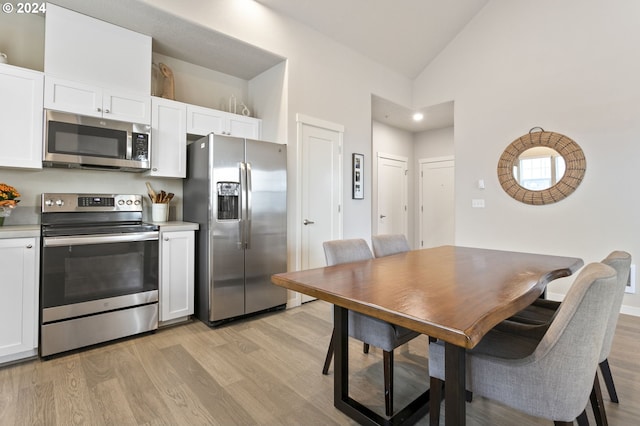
(77, 141)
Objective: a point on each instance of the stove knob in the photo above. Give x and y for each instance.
(48, 203)
(129, 202)
(120, 202)
(136, 202)
(59, 203)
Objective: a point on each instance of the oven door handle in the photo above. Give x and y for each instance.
(79, 240)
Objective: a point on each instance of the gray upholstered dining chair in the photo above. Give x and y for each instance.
(534, 320)
(370, 331)
(551, 377)
(388, 244)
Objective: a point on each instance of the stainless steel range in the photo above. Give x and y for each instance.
(99, 270)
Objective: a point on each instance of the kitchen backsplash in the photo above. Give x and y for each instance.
(31, 184)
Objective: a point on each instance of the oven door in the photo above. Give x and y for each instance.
(88, 274)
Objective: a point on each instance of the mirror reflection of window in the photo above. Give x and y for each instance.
(539, 168)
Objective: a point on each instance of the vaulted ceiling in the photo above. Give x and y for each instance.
(402, 35)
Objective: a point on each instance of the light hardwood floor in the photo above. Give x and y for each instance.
(261, 371)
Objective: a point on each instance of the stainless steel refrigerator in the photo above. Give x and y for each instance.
(236, 190)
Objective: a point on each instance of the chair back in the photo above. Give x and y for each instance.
(621, 262)
(386, 245)
(345, 251)
(566, 358)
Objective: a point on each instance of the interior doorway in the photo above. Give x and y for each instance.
(392, 210)
(437, 206)
(320, 177)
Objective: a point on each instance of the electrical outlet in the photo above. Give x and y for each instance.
(631, 284)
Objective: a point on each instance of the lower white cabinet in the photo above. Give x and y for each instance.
(177, 254)
(18, 298)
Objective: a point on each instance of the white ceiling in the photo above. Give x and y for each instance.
(403, 35)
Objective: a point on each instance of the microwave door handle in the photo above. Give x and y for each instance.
(249, 209)
(243, 205)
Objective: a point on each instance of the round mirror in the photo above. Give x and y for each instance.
(541, 167)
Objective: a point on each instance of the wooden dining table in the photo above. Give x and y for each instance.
(456, 294)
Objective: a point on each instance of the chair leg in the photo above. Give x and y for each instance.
(435, 398)
(387, 360)
(608, 380)
(582, 419)
(327, 361)
(365, 348)
(597, 404)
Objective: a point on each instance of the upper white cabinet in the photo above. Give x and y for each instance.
(21, 112)
(88, 50)
(168, 138)
(202, 121)
(85, 99)
(19, 302)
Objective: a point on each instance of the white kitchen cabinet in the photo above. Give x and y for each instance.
(86, 99)
(177, 257)
(202, 121)
(19, 300)
(21, 112)
(168, 138)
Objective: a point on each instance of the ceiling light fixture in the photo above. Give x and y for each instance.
(418, 116)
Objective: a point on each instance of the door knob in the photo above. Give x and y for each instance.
(308, 222)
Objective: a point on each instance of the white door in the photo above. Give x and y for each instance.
(321, 189)
(437, 202)
(392, 195)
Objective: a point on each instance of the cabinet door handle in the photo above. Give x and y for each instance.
(308, 222)
(166, 238)
(107, 111)
(99, 109)
(29, 246)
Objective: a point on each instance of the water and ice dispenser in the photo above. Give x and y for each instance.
(228, 200)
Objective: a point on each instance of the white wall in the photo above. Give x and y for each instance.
(22, 39)
(434, 143)
(325, 80)
(570, 67)
(204, 87)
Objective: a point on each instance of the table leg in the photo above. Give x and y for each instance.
(454, 389)
(341, 354)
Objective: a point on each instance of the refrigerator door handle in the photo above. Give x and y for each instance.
(249, 209)
(243, 206)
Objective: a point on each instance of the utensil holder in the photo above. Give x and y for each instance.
(159, 212)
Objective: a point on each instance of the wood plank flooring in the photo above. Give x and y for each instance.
(261, 371)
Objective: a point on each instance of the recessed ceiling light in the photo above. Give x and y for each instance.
(418, 116)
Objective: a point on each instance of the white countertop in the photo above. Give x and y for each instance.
(19, 231)
(177, 226)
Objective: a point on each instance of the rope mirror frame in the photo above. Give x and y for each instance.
(576, 166)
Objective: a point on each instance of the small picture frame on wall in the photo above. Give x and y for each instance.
(358, 176)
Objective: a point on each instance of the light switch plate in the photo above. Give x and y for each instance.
(477, 203)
